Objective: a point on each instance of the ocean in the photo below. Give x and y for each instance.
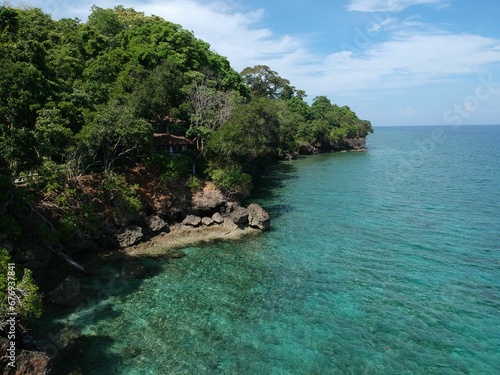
(385, 262)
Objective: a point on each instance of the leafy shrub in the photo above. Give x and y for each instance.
(28, 300)
(193, 183)
(233, 179)
(122, 196)
(10, 227)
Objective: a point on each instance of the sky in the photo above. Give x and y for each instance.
(394, 62)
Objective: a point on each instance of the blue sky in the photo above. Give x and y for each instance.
(394, 62)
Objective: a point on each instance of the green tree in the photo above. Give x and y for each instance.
(251, 134)
(211, 108)
(160, 96)
(264, 82)
(113, 134)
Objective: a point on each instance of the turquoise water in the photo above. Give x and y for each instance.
(386, 262)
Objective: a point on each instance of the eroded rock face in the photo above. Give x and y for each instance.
(155, 223)
(192, 220)
(238, 214)
(30, 363)
(27, 362)
(67, 293)
(258, 217)
(129, 236)
(307, 149)
(208, 200)
(355, 144)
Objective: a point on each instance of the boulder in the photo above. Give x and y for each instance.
(27, 362)
(67, 293)
(207, 221)
(155, 223)
(207, 200)
(217, 218)
(129, 236)
(192, 220)
(258, 217)
(238, 214)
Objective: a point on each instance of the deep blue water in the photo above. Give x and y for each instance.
(385, 262)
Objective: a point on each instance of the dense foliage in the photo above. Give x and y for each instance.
(79, 97)
(18, 292)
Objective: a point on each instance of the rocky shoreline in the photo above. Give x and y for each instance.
(206, 216)
(235, 222)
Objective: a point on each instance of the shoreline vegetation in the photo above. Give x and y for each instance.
(127, 133)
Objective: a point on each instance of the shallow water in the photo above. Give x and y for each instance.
(386, 262)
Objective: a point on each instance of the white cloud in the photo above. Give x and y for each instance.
(410, 60)
(389, 5)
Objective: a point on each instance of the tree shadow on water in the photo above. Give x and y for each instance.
(268, 183)
(268, 188)
(75, 337)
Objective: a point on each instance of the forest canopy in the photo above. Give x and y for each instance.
(76, 96)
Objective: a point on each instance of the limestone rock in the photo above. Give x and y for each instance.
(207, 200)
(306, 149)
(155, 223)
(217, 218)
(27, 362)
(207, 221)
(129, 236)
(258, 217)
(229, 224)
(67, 293)
(238, 214)
(192, 220)
(355, 144)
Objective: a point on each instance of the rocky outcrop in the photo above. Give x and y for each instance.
(354, 144)
(258, 217)
(27, 362)
(30, 362)
(67, 293)
(307, 149)
(207, 201)
(155, 223)
(129, 236)
(192, 220)
(214, 209)
(238, 214)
